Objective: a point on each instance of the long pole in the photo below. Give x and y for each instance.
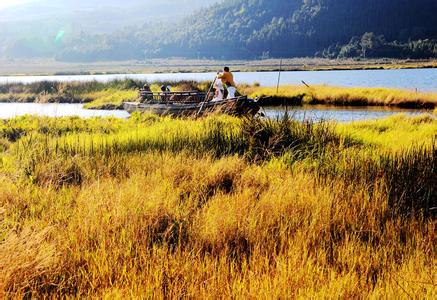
(207, 96)
(279, 76)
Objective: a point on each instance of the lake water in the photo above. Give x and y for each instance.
(11, 110)
(420, 79)
(339, 114)
(315, 113)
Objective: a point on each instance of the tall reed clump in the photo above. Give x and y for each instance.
(211, 208)
(218, 136)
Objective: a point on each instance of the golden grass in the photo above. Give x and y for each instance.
(176, 219)
(117, 237)
(113, 98)
(396, 133)
(321, 94)
(112, 94)
(109, 99)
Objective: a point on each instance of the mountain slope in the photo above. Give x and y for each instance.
(239, 29)
(30, 29)
(248, 28)
(97, 15)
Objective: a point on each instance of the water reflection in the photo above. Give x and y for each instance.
(315, 113)
(11, 110)
(339, 114)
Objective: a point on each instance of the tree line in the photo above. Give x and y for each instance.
(250, 29)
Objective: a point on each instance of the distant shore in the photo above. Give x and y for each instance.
(177, 65)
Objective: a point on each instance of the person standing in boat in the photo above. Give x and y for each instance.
(227, 79)
(219, 91)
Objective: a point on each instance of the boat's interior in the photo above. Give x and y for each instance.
(174, 97)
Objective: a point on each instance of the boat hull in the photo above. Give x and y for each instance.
(236, 106)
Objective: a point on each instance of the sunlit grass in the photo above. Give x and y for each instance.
(112, 94)
(397, 132)
(216, 207)
(321, 94)
(109, 99)
(96, 95)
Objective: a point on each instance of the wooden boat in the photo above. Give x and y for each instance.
(190, 104)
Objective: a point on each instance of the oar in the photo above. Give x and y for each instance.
(207, 96)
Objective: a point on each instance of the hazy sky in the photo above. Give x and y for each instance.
(7, 3)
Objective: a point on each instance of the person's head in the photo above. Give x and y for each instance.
(226, 69)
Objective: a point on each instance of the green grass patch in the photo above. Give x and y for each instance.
(109, 99)
(395, 133)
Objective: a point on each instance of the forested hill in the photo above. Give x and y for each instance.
(286, 28)
(45, 28)
(247, 29)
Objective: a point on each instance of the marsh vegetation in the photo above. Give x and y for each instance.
(217, 207)
(112, 94)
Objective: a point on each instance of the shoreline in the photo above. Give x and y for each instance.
(162, 66)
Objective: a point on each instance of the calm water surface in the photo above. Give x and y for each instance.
(11, 110)
(339, 114)
(420, 79)
(315, 113)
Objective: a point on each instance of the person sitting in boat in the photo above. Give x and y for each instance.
(227, 79)
(146, 93)
(146, 88)
(165, 88)
(219, 91)
(165, 93)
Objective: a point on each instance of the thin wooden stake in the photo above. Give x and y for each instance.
(279, 76)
